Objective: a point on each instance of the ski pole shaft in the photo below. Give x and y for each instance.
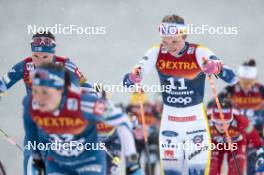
(229, 140)
(11, 141)
(115, 159)
(142, 112)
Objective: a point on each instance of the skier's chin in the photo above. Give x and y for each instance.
(222, 131)
(43, 109)
(173, 52)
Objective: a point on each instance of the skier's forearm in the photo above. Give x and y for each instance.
(228, 75)
(142, 68)
(127, 140)
(14, 75)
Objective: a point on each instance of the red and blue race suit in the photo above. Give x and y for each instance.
(183, 83)
(72, 128)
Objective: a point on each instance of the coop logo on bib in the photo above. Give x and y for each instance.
(184, 100)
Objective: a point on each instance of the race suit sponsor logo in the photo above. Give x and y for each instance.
(168, 144)
(104, 128)
(12, 71)
(221, 139)
(72, 104)
(66, 150)
(168, 133)
(90, 168)
(226, 111)
(72, 163)
(191, 50)
(169, 155)
(61, 124)
(172, 65)
(66, 145)
(184, 100)
(182, 119)
(197, 139)
(196, 131)
(30, 66)
(195, 153)
(252, 102)
(168, 150)
(247, 100)
(58, 122)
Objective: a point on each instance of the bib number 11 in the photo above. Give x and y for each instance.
(181, 81)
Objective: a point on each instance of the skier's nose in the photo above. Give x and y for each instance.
(171, 47)
(40, 98)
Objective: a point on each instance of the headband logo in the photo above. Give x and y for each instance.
(42, 41)
(226, 111)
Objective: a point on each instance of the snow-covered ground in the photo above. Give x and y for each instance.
(131, 28)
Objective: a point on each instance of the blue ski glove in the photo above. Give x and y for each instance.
(132, 165)
(137, 172)
(260, 160)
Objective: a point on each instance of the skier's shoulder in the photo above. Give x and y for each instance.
(153, 50)
(259, 85)
(88, 100)
(231, 88)
(26, 100)
(25, 62)
(241, 121)
(154, 47)
(27, 59)
(201, 49)
(90, 104)
(61, 59)
(87, 87)
(67, 62)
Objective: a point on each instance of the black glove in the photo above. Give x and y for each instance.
(38, 163)
(132, 163)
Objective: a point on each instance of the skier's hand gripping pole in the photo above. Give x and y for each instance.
(116, 160)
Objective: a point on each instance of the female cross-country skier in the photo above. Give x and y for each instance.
(43, 47)
(248, 97)
(243, 135)
(61, 122)
(182, 70)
